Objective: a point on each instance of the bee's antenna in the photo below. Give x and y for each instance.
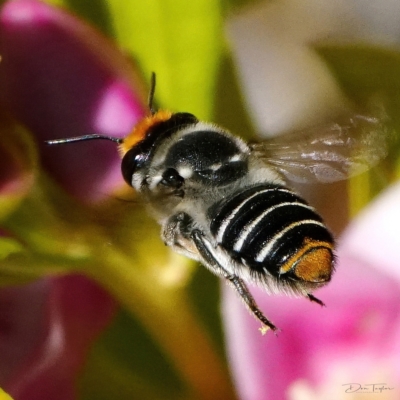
(113, 139)
(82, 138)
(151, 93)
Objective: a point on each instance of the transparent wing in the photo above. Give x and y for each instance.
(327, 153)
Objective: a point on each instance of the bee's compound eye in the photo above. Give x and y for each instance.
(171, 178)
(132, 161)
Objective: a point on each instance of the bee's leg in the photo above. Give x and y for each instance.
(314, 299)
(211, 263)
(176, 234)
(176, 229)
(246, 296)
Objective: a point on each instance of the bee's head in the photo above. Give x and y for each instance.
(148, 137)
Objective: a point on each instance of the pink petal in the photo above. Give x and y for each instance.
(20, 324)
(360, 327)
(71, 313)
(373, 238)
(62, 78)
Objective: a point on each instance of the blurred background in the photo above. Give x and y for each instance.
(92, 304)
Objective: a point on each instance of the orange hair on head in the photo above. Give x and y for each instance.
(141, 128)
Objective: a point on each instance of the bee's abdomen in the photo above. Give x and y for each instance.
(272, 230)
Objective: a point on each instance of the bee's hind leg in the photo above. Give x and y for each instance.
(248, 299)
(211, 262)
(315, 300)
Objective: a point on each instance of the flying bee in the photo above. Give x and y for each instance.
(225, 203)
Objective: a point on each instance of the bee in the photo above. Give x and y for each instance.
(226, 204)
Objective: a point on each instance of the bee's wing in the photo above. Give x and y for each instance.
(327, 153)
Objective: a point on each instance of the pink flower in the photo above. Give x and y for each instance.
(46, 331)
(61, 78)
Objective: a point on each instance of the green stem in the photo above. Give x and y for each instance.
(166, 314)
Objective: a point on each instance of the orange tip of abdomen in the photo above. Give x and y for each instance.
(313, 262)
(316, 265)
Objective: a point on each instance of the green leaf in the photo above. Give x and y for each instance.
(9, 246)
(179, 41)
(237, 5)
(94, 11)
(365, 71)
(360, 66)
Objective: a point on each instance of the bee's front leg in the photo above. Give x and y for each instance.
(176, 234)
